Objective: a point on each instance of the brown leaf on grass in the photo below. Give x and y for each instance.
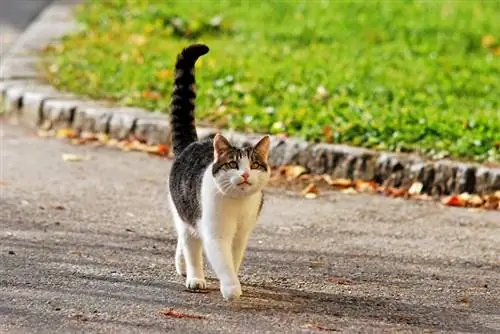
(151, 95)
(319, 328)
(164, 74)
(488, 41)
(328, 134)
(311, 191)
(339, 281)
(170, 312)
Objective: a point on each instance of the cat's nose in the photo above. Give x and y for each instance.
(245, 175)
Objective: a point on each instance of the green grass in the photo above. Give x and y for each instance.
(390, 75)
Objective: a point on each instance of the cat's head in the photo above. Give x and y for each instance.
(241, 171)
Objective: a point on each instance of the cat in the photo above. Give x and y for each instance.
(215, 189)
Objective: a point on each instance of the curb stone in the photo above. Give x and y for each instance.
(35, 104)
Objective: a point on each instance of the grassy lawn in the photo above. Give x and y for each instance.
(390, 75)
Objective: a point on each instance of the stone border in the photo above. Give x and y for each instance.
(23, 96)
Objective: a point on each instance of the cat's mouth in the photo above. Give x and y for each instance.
(244, 183)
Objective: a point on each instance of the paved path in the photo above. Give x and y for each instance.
(15, 15)
(88, 246)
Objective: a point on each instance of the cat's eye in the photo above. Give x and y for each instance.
(255, 165)
(233, 164)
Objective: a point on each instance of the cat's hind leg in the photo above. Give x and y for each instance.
(192, 251)
(188, 253)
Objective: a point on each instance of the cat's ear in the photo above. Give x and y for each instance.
(221, 144)
(262, 147)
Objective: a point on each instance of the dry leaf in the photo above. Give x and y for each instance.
(79, 316)
(340, 183)
(170, 312)
(72, 157)
(66, 133)
(339, 281)
(416, 188)
(453, 200)
(349, 191)
(151, 95)
(365, 186)
(163, 74)
(475, 201)
(58, 207)
(319, 328)
(292, 171)
(396, 192)
(488, 41)
(464, 299)
(311, 191)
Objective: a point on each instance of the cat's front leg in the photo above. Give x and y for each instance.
(219, 253)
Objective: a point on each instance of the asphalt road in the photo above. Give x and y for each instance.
(88, 247)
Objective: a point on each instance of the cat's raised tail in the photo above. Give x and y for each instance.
(182, 119)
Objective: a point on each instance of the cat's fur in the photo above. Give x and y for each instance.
(215, 189)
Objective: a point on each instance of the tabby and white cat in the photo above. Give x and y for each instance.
(215, 189)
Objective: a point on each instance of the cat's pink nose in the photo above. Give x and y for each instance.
(245, 175)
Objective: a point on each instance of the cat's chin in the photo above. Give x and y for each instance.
(238, 191)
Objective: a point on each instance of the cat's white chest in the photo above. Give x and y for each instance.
(228, 210)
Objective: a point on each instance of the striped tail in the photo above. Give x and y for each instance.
(182, 106)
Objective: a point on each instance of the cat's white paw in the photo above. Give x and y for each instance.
(196, 283)
(180, 266)
(231, 292)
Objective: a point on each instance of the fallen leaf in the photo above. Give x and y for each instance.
(72, 157)
(475, 201)
(319, 328)
(464, 299)
(349, 191)
(151, 95)
(339, 183)
(396, 192)
(311, 191)
(138, 40)
(66, 133)
(170, 312)
(488, 41)
(292, 171)
(453, 200)
(58, 207)
(365, 186)
(79, 316)
(416, 188)
(163, 74)
(339, 281)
